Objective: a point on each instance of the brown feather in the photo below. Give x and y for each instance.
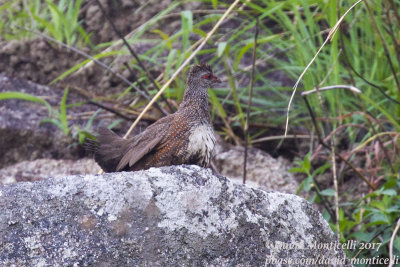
(137, 152)
(116, 154)
(110, 150)
(185, 137)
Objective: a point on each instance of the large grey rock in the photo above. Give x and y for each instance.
(171, 216)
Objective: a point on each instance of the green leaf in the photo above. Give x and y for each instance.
(308, 183)
(169, 65)
(83, 63)
(187, 27)
(221, 48)
(390, 192)
(48, 26)
(326, 215)
(85, 36)
(187, 15)
(322, 169)
(382, 110)
(114, 123)
(165, 38)
(200, 32)
(396, 243)
(391, 182)
(214, 4)
(379, 218)
(363, 236)
(57, 17)
(307, 162)
(241, 54)
(217, 104)
(26, 97)
(75, 10)
(328, 192)
(297, 169)
(82, 135)
(6, 6)
(90, 121)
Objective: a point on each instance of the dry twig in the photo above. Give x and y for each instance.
(246, 126)
(391, 243)
(335, 186)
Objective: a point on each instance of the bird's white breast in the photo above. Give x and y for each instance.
(202, 141)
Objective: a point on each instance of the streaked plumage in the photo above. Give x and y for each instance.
(185, 137)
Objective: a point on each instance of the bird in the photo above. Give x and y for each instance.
(184, 137)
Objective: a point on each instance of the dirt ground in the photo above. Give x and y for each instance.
(42, 61)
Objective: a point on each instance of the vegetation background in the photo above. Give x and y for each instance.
(343, 134)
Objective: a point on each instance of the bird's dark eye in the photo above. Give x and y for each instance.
(206, 76)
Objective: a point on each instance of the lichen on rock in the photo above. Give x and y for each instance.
(170, 216)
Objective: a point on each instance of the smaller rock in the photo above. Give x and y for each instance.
(29, 171)
(263, 171)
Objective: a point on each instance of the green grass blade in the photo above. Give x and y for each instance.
(187, 28)
(383, 111)
(26, 97)
(76, 67)
(216, 104)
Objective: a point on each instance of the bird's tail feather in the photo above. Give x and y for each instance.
(108, 149)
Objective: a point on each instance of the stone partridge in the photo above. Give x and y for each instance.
(184, 137)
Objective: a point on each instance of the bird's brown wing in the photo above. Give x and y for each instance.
(145, 142)
(143, 145)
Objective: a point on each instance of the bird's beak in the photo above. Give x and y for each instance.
(215, 79)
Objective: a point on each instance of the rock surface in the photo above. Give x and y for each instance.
(263, 171)
(36, 170)
(22, 136)
(171, 216)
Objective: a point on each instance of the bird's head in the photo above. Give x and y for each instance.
(202, 75)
